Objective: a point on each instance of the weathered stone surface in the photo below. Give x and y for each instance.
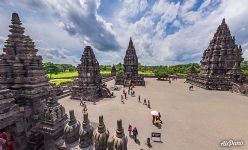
(130, 68)
(101, 136)
(86, 133)
(21, 71)
(120, 139)
(90, 85)
(220, 64)
(71, 130)
(52, 123)
(53, 120)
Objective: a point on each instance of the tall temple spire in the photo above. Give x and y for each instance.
(22, 72)
(221, 61)
(131, 61)
(130, 68)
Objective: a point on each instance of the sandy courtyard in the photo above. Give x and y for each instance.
(193, 120)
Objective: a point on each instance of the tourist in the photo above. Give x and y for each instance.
(124, 91)
(158, 120)
(125, 94)
(148, 105)
(121, 97)
(153, 119)
(139, 98)
(159, 115)
(130, 129)
(81, 101)
(169, 81)
(191, 87)
(128, 91)
(144, 102)
(5, 142)
(148, 142)
(85, 107)
(135, 133)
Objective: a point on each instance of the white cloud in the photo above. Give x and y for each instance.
(65, 27)
(188, 43)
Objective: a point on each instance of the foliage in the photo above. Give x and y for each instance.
(52, 68)
(244, 67)
(161, 74)
(59, 81)
(64, 75)
(60, 71)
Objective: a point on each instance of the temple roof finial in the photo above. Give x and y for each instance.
(15, 19)
(130, 45)
(223, 21)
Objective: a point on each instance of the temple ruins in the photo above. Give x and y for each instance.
(220, 64)
(130, 75)
(89, 86)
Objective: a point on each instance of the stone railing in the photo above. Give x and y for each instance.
(108, 79)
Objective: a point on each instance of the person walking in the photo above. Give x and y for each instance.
(130, 129)
(125, 94)
(135, 133)
(139, 98)
(148, 104)
(153, 119)
(144, 102)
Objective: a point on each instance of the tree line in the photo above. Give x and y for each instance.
(160, 71)
(52, 68)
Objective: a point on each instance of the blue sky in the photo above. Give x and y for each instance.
(165, 32)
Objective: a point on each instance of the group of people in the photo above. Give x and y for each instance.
(131, 91)
(124, 94)
(134, 131)
(146, 102)
(156, 120)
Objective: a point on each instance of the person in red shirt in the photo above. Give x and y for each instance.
(6, 142)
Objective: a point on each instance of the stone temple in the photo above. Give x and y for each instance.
(90, 85)
(220, 64)
(24, 88)
(30, 114)
(131, 75)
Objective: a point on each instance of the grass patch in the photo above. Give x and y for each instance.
(64, 75)
(59, 81)
(147, 73)
(69, 75)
